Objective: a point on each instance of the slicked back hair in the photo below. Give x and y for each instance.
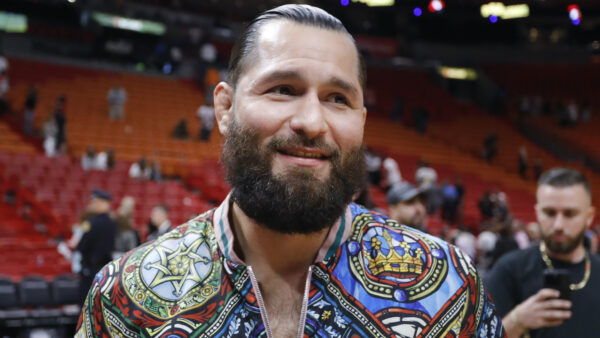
(301, 14)
(565, 177)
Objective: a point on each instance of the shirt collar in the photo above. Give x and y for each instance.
(337, 235)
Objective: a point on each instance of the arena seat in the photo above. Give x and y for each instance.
(34, 291)
(8, 293)
(65, 289)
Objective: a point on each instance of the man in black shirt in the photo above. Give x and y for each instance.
(98, 241)
(516, 283)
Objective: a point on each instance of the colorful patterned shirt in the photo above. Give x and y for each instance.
(372, 278)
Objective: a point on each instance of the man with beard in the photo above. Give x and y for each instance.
(564, 212)
(287, 253)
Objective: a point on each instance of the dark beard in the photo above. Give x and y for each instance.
(297, 202)
(564, 248)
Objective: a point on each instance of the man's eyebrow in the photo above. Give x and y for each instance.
(279, 75)
(334, 81)
(344, 85)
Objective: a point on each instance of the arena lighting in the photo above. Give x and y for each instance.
(436, 5)
(574, 14)
(417, 11)
(344, 2)
(457, 73)
(142, 26)
(376, 3)
(499, 10)
(13, 22)
(493, 19)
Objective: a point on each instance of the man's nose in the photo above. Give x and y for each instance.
(559, 222)
(309, 119)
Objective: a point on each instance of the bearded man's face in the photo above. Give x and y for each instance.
(295, 201)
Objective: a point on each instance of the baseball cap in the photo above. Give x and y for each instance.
(402, 192)
(98, 193)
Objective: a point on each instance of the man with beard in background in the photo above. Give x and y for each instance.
(564, 212)
(287, 253)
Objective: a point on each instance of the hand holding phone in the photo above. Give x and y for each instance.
(543, 309)
(558, 279)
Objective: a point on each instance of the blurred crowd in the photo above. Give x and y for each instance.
(419, 200)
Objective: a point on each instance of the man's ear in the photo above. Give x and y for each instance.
(223, 99)
(590, 217)
(364, 115)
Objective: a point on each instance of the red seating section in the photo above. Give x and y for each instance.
(564, 82)
(65, 187)
(153, 108)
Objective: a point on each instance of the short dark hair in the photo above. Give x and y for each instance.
(564, 177)
(302, 14)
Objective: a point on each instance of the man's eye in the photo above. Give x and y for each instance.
(340, 99)
(550, 213)
(282, 90)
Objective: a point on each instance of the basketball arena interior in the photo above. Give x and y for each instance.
(104, 98)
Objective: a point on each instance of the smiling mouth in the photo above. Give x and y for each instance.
(304, 154)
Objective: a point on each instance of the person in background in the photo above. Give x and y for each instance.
(407, 206)
(486, 206)
(373, 165)
(159, 222)
(206, 114)
(98, 241)
(140, 169)
(425, 176)
(89, 160)
(155, 172)
(29, 110)
(50, 132)
(110, 159)
(533, 233)
(127, 237)
(465, 240)
(505, 241)
(564, 212)
(450, 202)
(60, 119)
(180, 131)
(490, 147)
(116, 98)
(391, 172)
(523, 163)
(105, 160)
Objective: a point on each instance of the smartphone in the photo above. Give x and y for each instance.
(558, 279)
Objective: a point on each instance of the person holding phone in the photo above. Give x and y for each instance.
(552, 289)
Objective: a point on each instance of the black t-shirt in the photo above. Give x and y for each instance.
(520, 274)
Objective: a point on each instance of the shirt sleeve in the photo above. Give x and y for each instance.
(481, 318)
(91, 320)
(490, 324)
(104, 313)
